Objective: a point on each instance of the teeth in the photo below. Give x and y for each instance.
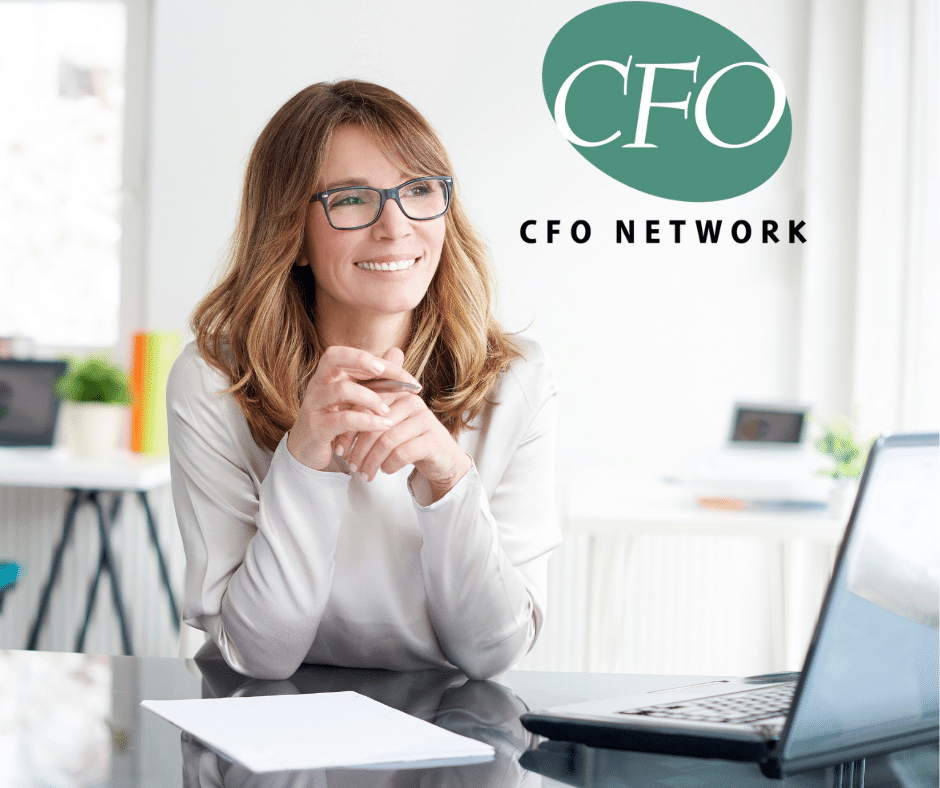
(398, 265)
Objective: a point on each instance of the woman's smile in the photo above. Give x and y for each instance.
(383, 264)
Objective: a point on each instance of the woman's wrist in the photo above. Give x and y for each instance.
(300, 451)
(440, 485)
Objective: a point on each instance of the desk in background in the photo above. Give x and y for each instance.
(642, 545)
(104, 738)
(101, 485)
(614, 520)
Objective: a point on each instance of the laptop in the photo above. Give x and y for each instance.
(767, 426)
(29, 406)
(869, 683)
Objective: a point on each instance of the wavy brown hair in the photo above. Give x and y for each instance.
(256, 326)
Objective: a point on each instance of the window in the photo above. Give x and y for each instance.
(62, 104)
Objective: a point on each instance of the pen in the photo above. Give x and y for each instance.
(386, 384)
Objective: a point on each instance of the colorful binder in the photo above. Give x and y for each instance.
(154, 354)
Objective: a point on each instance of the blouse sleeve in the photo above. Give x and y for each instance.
(258, 567)
(486, 543)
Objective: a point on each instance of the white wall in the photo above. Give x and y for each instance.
(652, 343)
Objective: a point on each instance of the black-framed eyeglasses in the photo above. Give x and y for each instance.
(355, 207)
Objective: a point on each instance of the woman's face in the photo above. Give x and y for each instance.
(347, 263)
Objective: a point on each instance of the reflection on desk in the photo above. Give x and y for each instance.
(75, 720)
(481, 710)
(578, 765)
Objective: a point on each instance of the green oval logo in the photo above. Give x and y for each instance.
(667, 101)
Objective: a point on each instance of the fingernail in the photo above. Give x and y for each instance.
(385, 408)
(378, 366)
(353, 467)
(339, 451)
(387, 422)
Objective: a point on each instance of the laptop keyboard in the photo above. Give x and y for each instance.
(735, 708)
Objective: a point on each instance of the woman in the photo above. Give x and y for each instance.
(325, 521)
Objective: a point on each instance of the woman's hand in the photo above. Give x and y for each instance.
(416, 437)
(334, 404)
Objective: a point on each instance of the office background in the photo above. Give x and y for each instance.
(652, 343)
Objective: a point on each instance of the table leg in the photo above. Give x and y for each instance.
(96, 578)
(67, 526)
(152, 527)
(90, 603)
(108, 558)
(105, 562)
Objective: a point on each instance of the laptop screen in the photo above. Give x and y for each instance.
(872, 670)
(29, 406)
(767, 426)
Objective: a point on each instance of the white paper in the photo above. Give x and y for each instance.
(317, 731)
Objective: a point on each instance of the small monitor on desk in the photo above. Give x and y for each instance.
(765, 462)
(29, 406)
(767, 426)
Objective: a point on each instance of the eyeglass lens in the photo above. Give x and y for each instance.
(357, 206)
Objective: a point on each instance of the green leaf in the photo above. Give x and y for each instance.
(840, 442)
(94, 379)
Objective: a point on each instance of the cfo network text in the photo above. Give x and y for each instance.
(652, 231)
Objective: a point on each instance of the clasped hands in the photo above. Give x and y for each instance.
(372, 430)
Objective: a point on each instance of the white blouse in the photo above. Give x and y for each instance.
(286, 564)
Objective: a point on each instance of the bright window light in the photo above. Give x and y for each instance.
(61, 127)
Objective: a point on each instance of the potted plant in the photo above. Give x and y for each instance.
(99, 395)
(847, 452)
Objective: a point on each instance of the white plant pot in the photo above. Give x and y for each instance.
(96, 429)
